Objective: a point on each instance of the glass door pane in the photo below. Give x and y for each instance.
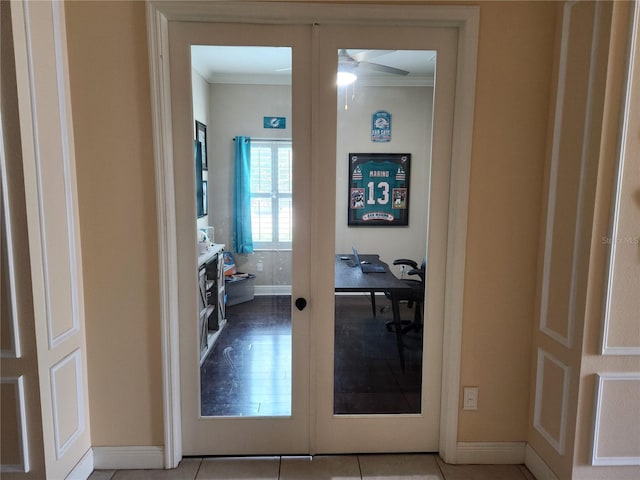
(244, 363)
(245, 298)
(384, 113)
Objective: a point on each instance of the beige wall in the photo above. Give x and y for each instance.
(112, 114)
(514, 68)
(108, 63)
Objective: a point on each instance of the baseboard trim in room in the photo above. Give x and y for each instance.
(537, 466)
(490, 453)
(137, 457)
(274, 290)
(83, 468)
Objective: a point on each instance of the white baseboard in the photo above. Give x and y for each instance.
(83, 468)
(492, 453)
(116, 458)
(272, 290)
(537, 466)
(260, 290)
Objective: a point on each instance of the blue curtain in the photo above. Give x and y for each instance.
(242, 237)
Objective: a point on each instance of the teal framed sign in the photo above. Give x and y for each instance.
(278, 123)
(381, 126)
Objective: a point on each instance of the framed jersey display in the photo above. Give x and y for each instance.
(379, 189)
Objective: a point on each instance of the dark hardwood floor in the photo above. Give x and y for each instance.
(367, 373)
(248, 372)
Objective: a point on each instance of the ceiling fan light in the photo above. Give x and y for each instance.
(346, 78)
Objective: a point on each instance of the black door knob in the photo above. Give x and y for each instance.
(301, 303)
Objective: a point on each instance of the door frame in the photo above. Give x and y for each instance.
(465, 19)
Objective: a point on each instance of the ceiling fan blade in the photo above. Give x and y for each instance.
(345, 60)
(369, 54)
(382, 68)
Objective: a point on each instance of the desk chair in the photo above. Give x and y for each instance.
(415, 295)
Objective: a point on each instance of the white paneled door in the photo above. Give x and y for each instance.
(55, 312)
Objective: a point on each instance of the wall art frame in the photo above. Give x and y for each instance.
(201, 136)
(379, 189)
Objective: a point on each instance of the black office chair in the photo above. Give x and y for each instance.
(415, 295)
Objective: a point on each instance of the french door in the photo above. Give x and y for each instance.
(396, 410)
(315, 423)
(250, 381)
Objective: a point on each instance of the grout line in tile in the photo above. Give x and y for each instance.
(359, 466)
(198, 469)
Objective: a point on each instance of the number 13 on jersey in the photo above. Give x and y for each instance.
(379, 188)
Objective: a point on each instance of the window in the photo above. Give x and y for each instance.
(271, 207)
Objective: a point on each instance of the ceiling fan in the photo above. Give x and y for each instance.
(360, 59)
(348, 64)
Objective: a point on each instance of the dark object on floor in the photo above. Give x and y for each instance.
(240, 288)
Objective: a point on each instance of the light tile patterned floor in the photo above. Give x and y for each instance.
(323, 467)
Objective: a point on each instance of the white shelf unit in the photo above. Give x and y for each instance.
(211, 298)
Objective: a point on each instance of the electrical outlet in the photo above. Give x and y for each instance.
(470, 398)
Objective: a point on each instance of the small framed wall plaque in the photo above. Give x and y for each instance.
(381, 126)
(379, 189)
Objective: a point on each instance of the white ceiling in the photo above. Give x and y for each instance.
(272, 65)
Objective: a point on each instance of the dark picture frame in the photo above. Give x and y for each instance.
(379, 189)
(197, 148)
(201, 136)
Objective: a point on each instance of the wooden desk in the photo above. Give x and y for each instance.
(351, 279)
